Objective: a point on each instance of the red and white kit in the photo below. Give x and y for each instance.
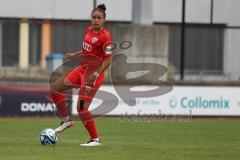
(96, 46)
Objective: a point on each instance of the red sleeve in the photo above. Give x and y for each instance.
(107, 44)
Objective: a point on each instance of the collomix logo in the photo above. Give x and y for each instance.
(199, 103)
(173, 102)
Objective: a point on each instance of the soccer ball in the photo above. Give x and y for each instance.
(48, 136)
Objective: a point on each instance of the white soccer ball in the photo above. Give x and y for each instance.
(48, 136)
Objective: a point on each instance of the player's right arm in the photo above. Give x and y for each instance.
(70, 56)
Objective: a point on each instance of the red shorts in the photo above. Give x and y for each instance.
(78, 78)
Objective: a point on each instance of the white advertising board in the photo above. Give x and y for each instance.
(182, 100)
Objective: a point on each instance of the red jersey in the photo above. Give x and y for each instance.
(98, 44)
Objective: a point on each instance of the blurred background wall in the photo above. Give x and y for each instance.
(31, 29)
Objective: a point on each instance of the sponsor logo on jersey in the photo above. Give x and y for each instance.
(38, 107)
(87, 46)
(94, 40)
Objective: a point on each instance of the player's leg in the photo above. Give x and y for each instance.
(84, 101)
(57, 88)
(88, 122)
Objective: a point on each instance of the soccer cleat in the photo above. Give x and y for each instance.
(92, 143)
(63, 126)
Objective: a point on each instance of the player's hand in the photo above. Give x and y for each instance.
(69, 56)
(92, 78)
(88, 89)
(90, 83)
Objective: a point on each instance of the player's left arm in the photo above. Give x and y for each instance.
(107, 59)
(107, 47)
(106, 64)
(108, 54)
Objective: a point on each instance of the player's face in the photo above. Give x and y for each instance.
(97, 20)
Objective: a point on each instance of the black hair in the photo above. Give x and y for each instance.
(101, 8)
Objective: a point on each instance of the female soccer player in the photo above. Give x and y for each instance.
(97, 42)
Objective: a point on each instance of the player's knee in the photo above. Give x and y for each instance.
(54, 89)
(81, 105)
(53, 92)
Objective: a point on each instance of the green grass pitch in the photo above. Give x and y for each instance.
(123, 140)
